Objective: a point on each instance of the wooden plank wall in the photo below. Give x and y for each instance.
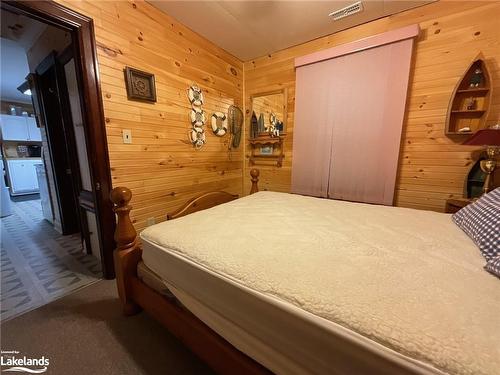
(162, 170)
(432, 167)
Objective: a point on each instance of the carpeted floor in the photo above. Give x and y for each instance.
(86, 333)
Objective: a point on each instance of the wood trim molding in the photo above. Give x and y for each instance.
(378, 40)
(82, 29)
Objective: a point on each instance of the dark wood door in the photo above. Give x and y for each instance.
(77, 139)
(52, 113)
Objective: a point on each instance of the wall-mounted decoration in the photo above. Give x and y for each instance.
(140, 85)
(476, 79)
(197, 136)
(471, 99)
(261, 124)
(195, 95)
(266, 150)
(235, 119)
(219, 124)
(267, 127)
(273, 118)
(254, 126)
(270, 109)
(197, 117)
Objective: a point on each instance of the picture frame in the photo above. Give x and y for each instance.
(266, 150)
(140, 85)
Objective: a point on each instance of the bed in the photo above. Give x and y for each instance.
(287, 284)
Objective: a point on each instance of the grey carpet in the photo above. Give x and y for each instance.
(86, 333)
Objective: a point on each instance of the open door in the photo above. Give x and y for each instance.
(50, 114)
(58, 107)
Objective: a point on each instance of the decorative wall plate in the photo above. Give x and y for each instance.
(140, 85)
(195, 95)
(197, 116)
(219, 124)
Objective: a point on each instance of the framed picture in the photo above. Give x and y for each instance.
(266, 150)
(140, 85)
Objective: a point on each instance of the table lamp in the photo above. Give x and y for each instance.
(490, 138)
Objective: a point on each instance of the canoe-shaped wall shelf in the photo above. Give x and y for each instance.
(470, 101)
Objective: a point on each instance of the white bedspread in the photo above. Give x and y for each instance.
(410, 280)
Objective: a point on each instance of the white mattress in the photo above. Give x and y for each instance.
(319, 286)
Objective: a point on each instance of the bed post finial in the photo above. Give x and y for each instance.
(125, 234)
(127, 254)
(255, 179)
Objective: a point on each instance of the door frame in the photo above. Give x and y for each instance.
(82, 29)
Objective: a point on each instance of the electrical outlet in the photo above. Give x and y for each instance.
(150, 221)
(127, 136)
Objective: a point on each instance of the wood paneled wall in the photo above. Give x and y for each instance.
(164, 171)
(432, 167)
(160, 167)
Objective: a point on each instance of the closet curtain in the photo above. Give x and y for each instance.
(348, 118)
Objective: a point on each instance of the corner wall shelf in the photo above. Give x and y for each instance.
(470, 101)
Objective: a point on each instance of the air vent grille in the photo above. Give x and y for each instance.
(347, 11)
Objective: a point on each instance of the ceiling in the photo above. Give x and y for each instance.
(13, 70)
(18, 33)
(250, 29)
(21, 29)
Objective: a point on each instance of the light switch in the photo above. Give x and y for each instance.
(127, 136)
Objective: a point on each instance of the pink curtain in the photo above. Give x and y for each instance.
(312, 132)
(348, 120)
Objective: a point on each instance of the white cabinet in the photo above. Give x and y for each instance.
(19, 128)
(33, 130)
(14, 128)
(22, 176)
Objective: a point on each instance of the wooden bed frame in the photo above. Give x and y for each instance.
(135, 295)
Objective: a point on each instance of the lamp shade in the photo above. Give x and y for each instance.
(485, 137)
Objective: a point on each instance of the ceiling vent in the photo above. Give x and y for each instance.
(347, 11)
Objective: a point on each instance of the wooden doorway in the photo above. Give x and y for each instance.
(84, 48)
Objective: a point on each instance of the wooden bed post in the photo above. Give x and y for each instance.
(127, 253)
(255, 179)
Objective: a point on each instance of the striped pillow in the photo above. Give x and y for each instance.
(493, 266)
(481, 222)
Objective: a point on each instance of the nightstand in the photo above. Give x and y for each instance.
(455, 204)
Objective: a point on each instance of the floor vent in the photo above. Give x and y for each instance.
(347, 11)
